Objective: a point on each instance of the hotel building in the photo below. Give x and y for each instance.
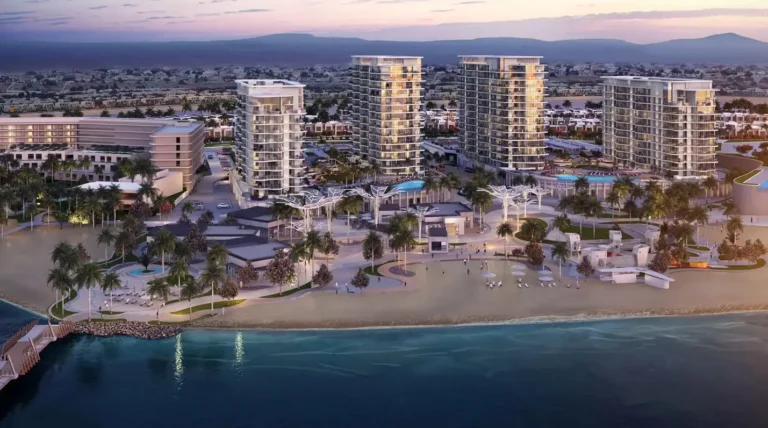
(172, 146)
(501, 112)
(386, 98)
(666, 125)
(268, 138)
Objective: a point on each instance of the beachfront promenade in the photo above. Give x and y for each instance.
(421, 296)
(22, 350)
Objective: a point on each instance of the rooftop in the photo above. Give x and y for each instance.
(387, 56)
(257, 83)
(438, 232)
(654, 79)
(253, 213)
(123, 186)
(257, 251)
(447, 209)
(179, 129)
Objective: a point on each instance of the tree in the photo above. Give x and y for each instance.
(110, 283)
(481, 201)
(229, 220)
(229, 290)
(710, 183)
(140, 209)
(560, 253)
(313, 241)
(247, 274)
(205, 219)
(87, 276)
(373, 247)
(561, 223)
(105, 113)
(535, 253)
(585, 267)
(735, 227)
(351, 204)
(196, 241)
(533, 230)
(164, 242)
(190, 290)
(187, 208)
(60, 281)
(504, 230)
(106, 237)
(82, 254)
(126, 242)
(323, 276)
(581, 184)
(402, 240)
(360, 280)
(744, 148)
(280, 270)
(329, 246)
(660, 262)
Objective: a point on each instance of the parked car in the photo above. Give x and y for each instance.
(223, 205)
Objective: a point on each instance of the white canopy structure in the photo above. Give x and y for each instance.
(421, 211)
(377, 195)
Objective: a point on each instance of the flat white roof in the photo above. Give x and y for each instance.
(502, 56)
(654, 79)
(260, 83)
(637, 270)
(124, 186)
(387, 56)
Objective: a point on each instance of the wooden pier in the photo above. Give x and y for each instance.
(22, 351)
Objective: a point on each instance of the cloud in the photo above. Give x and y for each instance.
(59, 23)
(36, 1)
(14, 20)
(181, 22)
(207, 14)
(26, 12)
(62, 18)
(247, 11)
(674, 14)
(98, 7)
(471, 2)
(163, 17)
(442, 10)
(130, 5)
(144, 12)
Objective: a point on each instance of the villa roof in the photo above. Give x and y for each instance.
(254, 213)
(438, 232)
(177, 229)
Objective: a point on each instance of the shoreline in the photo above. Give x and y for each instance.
(23, 308)
(543, 319)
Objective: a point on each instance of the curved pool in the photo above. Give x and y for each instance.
(590, 178)
(140, 271)
(409, 186)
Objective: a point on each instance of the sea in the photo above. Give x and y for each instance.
(709, 371)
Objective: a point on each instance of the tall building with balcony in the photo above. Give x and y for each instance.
(662, 124)
(268, 137)
(501, 112)
(386, 98)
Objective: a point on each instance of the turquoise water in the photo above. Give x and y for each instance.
(410, 186)
(590, 178)
(140, 271)
(674, 372)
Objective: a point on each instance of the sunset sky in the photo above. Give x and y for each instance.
(154, 20)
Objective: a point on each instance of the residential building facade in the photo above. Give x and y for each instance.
(268, 137)
(104, 141)
(501, 105)
(663, 124)
(386, 97)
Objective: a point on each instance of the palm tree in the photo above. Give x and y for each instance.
(710, 183)
(613, 200)
(189, 291)
(143, 166)
(182, 251)
(111, 282)
(351, 204)
(214, 275)
(126, 242)
(87, 276)
(60, 281)
(106, 237)
(430, 184)
(698, 214)
(159, 287)
(52, 164)
(560, 253)
(314, 242)
(179, 271)
(65, 256)
(530, 180)
(373, 247)
(148, 191)
(187, 208)
(734, 226)
(445, 183)
(297, 252)
(481, 201)
(505, 231)
(3, 221)
(561, 223)
(403, 240)
(581, 184)
(534, 230)
(593, 208)
(164, 242)
(85, 164)
(113, 199)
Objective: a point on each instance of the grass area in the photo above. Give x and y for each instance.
(419, 243)
(206, 293)
(375, 270)
(291, 291)
(110, 313)
(457, 244)
(59, 312)
(206, 306)
(118, 259)
(105, 320)
(698, 248)
(604, 215)
(587, 233)
(225, 144)
(742, 179)
(524, 237)
(629, 222)
(760, 263)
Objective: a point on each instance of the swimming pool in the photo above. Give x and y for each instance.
(140, 271)
(410, 186)
(590, 178)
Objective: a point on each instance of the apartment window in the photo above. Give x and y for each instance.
(178, 140)
(178, 156)
(178, 148)
(178, 163)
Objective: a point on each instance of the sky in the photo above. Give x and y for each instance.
(639, 21)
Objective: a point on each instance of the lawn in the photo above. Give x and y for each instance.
(743, 179)
(457, 244)
(110, 313)
(59, 312)
(760, 263)
(524, 237)
(598, 234)
(375, 271)
(178, 322)
(290, 291)
(698, 248)
(206, 306)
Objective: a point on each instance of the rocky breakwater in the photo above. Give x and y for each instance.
(127, 328)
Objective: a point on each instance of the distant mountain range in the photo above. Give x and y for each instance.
(303, 49)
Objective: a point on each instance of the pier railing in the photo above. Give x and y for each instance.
(15, 338)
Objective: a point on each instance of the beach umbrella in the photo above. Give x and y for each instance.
(489, 275)
(545, 278)
(518, 273)
(518, 266)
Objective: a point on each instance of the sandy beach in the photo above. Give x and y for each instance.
(25, 258)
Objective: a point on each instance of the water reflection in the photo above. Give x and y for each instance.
(239, 352)
(178, 364)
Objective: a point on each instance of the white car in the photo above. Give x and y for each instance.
(223, 205)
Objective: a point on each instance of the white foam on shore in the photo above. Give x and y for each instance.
(23, 308)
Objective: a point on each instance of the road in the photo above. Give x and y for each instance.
(210, 193)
